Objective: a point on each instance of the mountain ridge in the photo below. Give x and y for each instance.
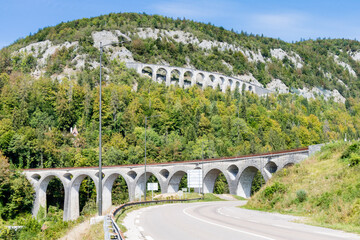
(158, 39)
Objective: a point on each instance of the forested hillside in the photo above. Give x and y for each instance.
(49, 85)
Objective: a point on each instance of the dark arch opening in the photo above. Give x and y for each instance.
(251, 180)
(257, 183)
(36, 177)
(87, 196)
(164, 173)
(187, 79)
(221, 185)
(132, 174)
(222, 82)
(271, 167)
(55, 195)
(212, 81)
(68, 176)
(120, 191)
(250, 88)
(288, 165)
(147, 71)
(237, 85)
(230, 83)
(200, 79)
(175, 77)
(161, 75)
(233, 171)
(141, 183)
(177, 182)
(215, 182)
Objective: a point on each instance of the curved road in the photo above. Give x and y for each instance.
(220, 221)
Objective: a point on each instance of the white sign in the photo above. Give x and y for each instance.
(152, 186)
(184, 189)
(194, 178)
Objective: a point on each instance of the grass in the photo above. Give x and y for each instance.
(325, 189)
(96, 232)
(239, 197)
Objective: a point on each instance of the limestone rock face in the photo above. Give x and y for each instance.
(277, 85)
(293, 57)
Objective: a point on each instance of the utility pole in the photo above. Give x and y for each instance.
(100, 130)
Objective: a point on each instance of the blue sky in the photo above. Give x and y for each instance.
(288, 20)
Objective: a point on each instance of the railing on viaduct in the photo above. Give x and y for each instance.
(238, 171)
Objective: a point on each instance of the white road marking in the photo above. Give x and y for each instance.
(230, 228)
(281, 226)
(137, 221)
(149, 238)
(140, 229)
(332, 234)
(254, 221)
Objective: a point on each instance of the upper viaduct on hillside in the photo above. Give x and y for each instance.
(238, 171)
(186, 77)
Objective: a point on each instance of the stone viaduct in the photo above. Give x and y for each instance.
(186, 77)
(239, 173)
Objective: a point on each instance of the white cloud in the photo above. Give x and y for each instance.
(280, 21)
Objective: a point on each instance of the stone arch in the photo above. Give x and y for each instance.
(200, 79)
(164, 174)
(132, 174)
(210, 178)
(271, 167)
(222, 82)
(233, 170)
(161, 74)
(188, 76)
(289, 164)
(43, 196)
(36, 177)
(141, 183)
(212, 80)
(147, 71)
(174, 182)
(238, 85)
(175, 77)
(75, 196)
(68, 176)
(246, 180)
(231, 83)
(250, 88)
(108, 187)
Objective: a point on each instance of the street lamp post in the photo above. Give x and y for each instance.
(146, 118)
(100, 128)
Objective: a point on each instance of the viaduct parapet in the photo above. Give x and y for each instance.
(238, 171)
(186, 77)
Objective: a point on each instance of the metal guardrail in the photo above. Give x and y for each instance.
(112, 230)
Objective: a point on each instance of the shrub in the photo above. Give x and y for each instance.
(277, 187)
(354, 159)
(353, 148)
(323, 200)
(301, 195)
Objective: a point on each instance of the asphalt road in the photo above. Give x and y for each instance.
(220, 221)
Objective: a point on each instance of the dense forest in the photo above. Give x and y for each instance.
(37, 113)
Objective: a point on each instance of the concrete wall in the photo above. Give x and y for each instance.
(239, 173)
(186, 77)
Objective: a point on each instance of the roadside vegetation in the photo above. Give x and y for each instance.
(325, 188)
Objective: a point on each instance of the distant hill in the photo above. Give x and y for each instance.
(328, 67)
